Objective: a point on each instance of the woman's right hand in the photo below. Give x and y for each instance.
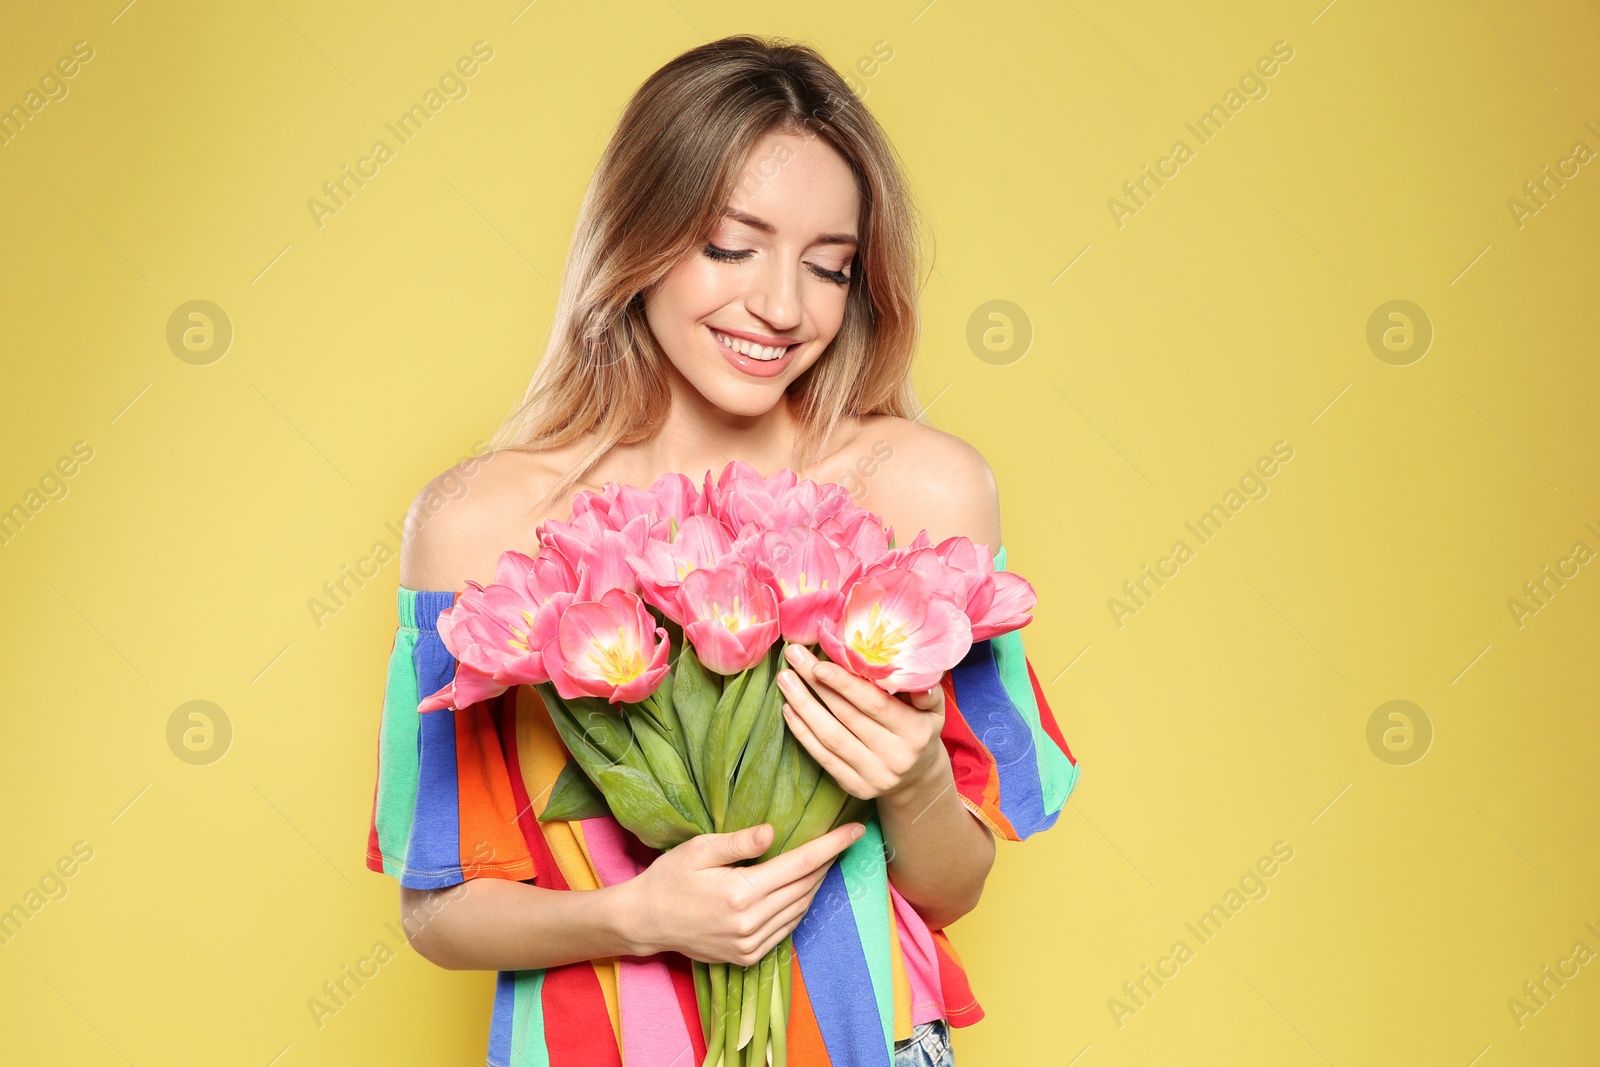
(693, 900)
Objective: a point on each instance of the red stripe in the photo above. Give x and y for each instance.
(577, 1024)
(961, 1007)
(1046, 718)
(547, 872)
(374, 849)
(973, 766)
(967, 754)
(374, 852)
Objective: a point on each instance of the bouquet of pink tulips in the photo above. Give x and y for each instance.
(653, 623)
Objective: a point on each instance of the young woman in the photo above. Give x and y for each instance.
(742, 285)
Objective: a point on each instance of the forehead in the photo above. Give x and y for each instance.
(799, 185)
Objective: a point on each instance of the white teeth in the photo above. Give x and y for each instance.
(746, 348)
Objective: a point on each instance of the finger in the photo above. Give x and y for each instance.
(872, 732)
(927, 699)
(782, 924)
(843, 773)
(785, 895)
(862, 696)
(833, 724)
(797, 863)
(719, 850)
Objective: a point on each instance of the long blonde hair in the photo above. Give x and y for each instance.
(659, 188)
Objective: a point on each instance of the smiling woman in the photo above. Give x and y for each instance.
(742, 285)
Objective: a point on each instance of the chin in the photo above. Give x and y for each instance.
(748, 399)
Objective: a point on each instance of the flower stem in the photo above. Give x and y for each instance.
(749, 1003)
(702, 996)
(717, 973)
(732, 1018)
(762, 1031)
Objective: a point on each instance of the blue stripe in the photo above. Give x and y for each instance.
(1000, 726)
(433, 858)
(838, 981)
(505, 991)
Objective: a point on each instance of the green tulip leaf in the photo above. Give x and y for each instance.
(574, 796)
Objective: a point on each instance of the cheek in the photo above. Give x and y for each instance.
(675, 308)
(700, 287)
(825, 313)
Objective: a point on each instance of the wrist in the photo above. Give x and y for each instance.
(922, 788)
(627, 918)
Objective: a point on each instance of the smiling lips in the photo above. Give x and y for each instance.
(761, 361)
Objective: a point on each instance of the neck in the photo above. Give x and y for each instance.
(698, 436)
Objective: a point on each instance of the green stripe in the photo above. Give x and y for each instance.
(527, 1021)
(1057, 773)
(866, 880)
(397, 742)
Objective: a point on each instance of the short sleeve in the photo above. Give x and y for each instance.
(449, 803)
(1013, 769)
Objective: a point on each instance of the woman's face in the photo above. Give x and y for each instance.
(773, 274)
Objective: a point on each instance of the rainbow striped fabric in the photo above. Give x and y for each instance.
(458, 794)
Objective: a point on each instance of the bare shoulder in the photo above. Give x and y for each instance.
(465, 517)
(929, 479)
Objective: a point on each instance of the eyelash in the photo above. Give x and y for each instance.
(726, 255)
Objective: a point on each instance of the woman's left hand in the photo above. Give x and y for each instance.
(872, 743)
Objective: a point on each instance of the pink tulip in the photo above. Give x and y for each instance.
(494, 633)
(943, 580)
(742, 497)
(745, 500)
(996, 602)
(858, 530)
(671, 498)
(677, 498)
(569, 539)
(661, 567)
(808, 572)
(608, 648)
(730, 616)
(603, 564)
(897, 631)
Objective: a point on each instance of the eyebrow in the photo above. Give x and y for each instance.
(766, 227)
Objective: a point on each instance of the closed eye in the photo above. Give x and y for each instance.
(727, 255)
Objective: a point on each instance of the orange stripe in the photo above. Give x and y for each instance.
(805, 1036)
(491, 842)
(960, 1004)
(539, 748)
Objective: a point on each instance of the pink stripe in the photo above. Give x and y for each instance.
(654, 1031)
(922, 964)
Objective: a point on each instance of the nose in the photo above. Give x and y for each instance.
(775, 294)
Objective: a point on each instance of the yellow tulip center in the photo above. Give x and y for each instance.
(735, 618)
(876, 643)
(803, 587)
(617, 663)
(519, 638)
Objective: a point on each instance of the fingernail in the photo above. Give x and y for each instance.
(855, 835)
(792, 654)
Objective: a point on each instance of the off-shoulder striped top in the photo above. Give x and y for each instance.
(458, 796)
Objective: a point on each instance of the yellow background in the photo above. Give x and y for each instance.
(1229, 313)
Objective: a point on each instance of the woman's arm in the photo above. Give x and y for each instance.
(494, 924)
(691, 899)
(939, 852)
(940, 855)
